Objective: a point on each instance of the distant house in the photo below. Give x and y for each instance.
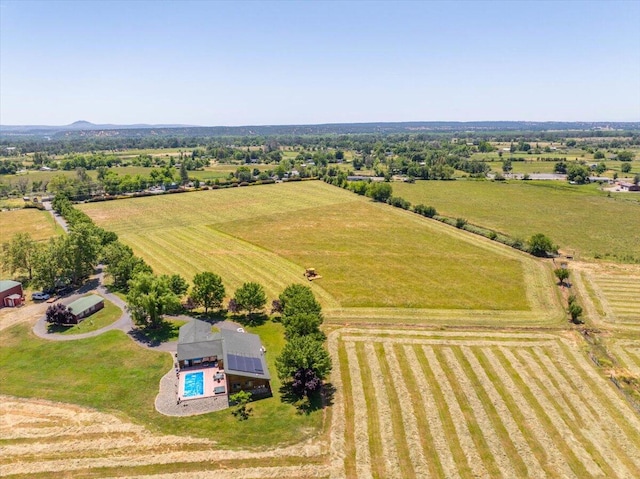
(238, 358)
(83, 307)
(627, 186)
(11, 294)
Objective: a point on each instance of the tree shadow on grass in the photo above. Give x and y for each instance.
(212, 317)
(255, 319)
(307, 405)
(58, 328)
(154, 336)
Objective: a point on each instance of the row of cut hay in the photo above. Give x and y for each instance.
(45, 439)
(417, 316)
(622, 295)
(628, 355)
(489, 409)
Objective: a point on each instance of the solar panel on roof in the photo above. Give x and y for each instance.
(245, 364)
(257, 365)
(233, 363)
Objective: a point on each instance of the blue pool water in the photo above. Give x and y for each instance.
(193, 384)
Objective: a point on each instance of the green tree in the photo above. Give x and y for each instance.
(540, 245)
(298, 299)
(598, 155)
(82, 246)
(302, 324)
(49, 268)
(626, 155)
(577, 173)
(379, 191)
(208, 290)
(178, 285)
(625, 167)
(240, 400)
(562, 274)
(575, 312)
(18, 254)
(303, 352)
(149, 298)
(122, 264)
(250, 297)
(184, 175)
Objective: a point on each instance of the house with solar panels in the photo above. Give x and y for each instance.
(232, 358)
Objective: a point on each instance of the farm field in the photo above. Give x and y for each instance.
(473, 404)
(112, 374)
(477, 405)
(40, 224)
(249, 233)
(576, 218)
(619, 296)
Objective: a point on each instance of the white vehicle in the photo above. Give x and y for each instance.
(40, 296)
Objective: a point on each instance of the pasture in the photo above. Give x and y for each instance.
(39, 224)
(118, 376)
(370, 255)
(472, 404)
(579, 218)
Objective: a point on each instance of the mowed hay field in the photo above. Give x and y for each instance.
(619, 296)
(370, 255)
(472, 404)
(48, 440)
(575, 218)
(39, 224)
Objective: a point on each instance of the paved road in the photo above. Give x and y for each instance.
(124, 323)
(59, 219)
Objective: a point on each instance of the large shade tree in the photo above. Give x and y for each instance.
(149, 298)
(208, 290)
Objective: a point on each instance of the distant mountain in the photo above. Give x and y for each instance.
(80, 125)
(87, 129)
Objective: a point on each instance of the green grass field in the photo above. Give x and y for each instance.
(576, 218)
(370, 255)
(101, 319)
(117, 375)
(39, 224)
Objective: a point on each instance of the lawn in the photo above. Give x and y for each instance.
(39, 224)
(369, 254)
(117, 375)
(579, 218)
(106, 316)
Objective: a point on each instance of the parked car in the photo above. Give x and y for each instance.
(40, 296)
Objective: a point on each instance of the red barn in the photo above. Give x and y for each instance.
(11, 294)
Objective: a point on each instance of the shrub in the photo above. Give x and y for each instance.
(460, 223)
(428, 211)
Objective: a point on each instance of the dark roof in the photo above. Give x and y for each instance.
(244, 355)
(79, 306)
(196, 340)
(202, 349)
(195, 331)
(6, 285)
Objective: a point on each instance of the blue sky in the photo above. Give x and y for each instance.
(216, 63)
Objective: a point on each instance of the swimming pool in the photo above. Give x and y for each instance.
(193, 384)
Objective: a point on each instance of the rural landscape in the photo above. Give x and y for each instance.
(478, 325)
(319, 239)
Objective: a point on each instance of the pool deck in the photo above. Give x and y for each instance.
(173, 382)
(210, 382)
